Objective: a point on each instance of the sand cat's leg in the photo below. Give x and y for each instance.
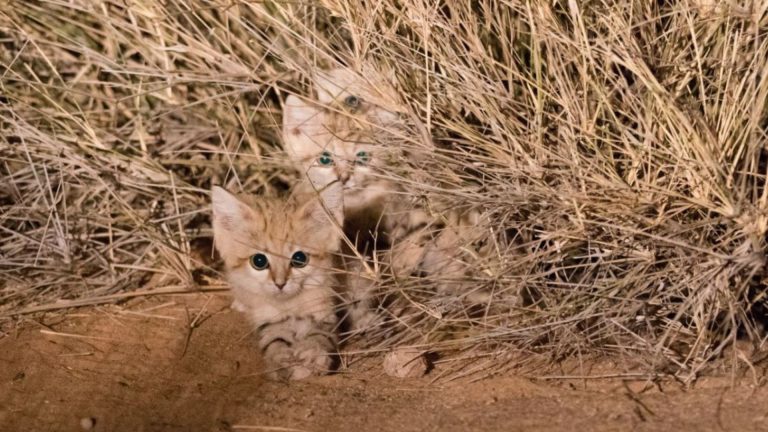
(360, 299)
(297, 348)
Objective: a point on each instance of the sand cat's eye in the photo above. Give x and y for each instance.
(352, 102)
(259, 261)
(325, 158)
(362, 158)
(299, 259)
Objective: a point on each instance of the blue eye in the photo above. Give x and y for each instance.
(362, 158)
(325, 158)
(299, 259)
(259, 261)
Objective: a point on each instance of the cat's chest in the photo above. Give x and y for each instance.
(316, 303)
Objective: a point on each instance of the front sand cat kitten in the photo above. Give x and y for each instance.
(279, 256)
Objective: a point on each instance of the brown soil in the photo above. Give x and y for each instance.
(138, 368)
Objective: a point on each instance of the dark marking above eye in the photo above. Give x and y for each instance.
(268, 343)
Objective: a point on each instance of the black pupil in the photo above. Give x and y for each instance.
(352, 101)
(299, 259)
(259, 261)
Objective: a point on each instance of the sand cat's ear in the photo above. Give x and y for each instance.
(304, 131)
(324, 215)
(233, 221)
(299, 113)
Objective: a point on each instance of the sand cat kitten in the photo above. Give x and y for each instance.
(357, 139)
(354, 135)
(348, 139)
(364, 111)
(279, 256)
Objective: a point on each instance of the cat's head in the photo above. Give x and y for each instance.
(278, 247)
(347, 137)
(368, 95)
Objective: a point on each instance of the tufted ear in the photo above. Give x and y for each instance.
(233, 222)
(304, 130)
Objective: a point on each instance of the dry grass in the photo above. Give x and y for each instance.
(617, 150)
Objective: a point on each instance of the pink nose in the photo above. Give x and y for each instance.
(343, 177)
(280, 285)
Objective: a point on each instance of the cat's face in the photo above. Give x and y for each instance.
(344, 140)
(276, 248)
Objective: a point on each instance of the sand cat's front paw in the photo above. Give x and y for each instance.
(299, 361)
(314, 359)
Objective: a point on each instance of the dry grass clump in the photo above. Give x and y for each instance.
(615, 150)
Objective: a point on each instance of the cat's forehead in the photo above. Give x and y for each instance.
(348, 147)
(343, 125)
(283, 227)
(345, 147)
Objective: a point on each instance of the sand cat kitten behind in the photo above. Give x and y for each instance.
(344, 145)
(279, 256)
(359, 112)
(353, 134)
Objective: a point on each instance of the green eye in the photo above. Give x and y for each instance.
(259, 261)
(299, 259)
(325, 158)
(362, 158)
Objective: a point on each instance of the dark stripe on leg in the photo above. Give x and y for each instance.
(266, 346)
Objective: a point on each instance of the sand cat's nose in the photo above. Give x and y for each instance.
(279, 275)
(343, 176)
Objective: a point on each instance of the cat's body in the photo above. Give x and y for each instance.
(279, 257)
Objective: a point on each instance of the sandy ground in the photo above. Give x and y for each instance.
(138, 368)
